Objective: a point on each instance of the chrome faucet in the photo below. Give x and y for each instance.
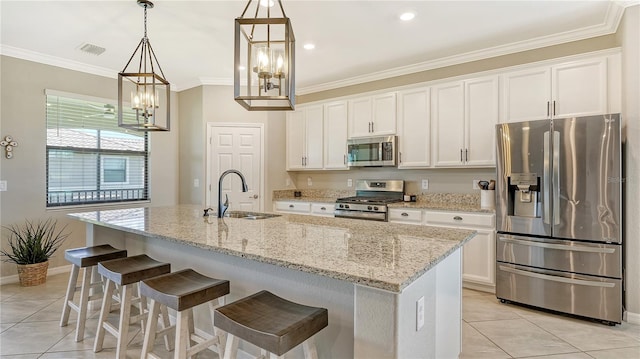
(222, 207)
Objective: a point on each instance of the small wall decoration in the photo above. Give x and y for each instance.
(8, 143)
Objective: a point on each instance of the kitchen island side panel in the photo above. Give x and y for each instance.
(364, 322)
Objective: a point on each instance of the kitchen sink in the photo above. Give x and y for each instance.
(249, 215)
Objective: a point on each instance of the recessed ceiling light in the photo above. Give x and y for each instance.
(309, 46)
(407, 16)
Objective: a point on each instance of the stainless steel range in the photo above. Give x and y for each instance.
(371, 199)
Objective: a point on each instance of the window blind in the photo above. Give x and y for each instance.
(89, 158)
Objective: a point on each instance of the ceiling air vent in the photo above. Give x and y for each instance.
(92, 49)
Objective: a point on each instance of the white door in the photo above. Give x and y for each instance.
(448, 122)
(295, 139)
(481, 116)
(580, 88)
(527, 95)
(335, 135)
(313, 120)
(360, 117)
(238, 147)
(384, 114)
(414, 128)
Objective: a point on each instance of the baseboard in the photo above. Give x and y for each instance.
(479, 287)
(632, 318)
(51, 271)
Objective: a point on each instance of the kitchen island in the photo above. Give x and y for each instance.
(392, 290)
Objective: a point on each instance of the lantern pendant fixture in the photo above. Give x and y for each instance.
(264, 59)
(149, 90)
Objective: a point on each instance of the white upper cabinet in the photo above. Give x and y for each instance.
(335, 139)
(305, 138)
(414, 128)
(372, 115)
(577, 88)
(464, 115)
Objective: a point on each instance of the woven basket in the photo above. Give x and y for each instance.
(32, 274)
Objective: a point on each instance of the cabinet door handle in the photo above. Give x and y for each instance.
(457, 218)
(466, 155)
(291, 206)
(345, 159)
(554, 107)
(404, 214)
(372, 130)
(548, 108)
(461, 155)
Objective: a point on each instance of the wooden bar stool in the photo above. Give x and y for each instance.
(86, 258)
(125, 272)
(182, 291)
(273, 324)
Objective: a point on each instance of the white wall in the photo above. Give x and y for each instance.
(629, 36)
(23, 117)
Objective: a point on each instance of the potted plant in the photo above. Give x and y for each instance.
(32, 244)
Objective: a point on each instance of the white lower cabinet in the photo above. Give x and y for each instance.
(479, 254)
(299, 207)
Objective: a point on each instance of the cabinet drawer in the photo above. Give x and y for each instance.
(322, 209)
(297, 207)
(460, 219)
(405, 215)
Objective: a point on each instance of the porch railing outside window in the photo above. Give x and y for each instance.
(89, 158)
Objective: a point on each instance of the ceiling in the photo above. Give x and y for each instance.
(356, 41)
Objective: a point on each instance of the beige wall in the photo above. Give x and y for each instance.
(629, 38)
(210, 104)
(546, 53)
(23, 117)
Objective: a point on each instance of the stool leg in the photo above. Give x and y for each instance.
(231, 348)
(142, 306)
(71, 290)
(83, 303)
(182, 334)
(168, 343)
(104, 313)
(150, 335)
(309, 348)
(125, 316)
(220, 334)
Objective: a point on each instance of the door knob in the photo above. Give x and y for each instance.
(255, 196)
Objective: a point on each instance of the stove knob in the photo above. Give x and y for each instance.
(341, 205)
(346, 206)
(369, 207)
(375, 208)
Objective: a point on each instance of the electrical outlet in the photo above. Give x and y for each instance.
(420, 313)
(3, 186)
(475, 184)
(425, 184)
(196, 183)
(309, 181)
(287, 182)
(349, 182)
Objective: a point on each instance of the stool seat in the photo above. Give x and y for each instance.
(90, 256)
(270, 322)
(183, 289)
(132, 269)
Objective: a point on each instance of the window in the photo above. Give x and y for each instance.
(89, 158)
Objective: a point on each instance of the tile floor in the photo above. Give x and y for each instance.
(29, 328)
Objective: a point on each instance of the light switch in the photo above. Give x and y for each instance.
(3, 186)
(425, 184)
(309, 181)
(349, 182)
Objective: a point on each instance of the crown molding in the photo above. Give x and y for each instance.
(608, 26)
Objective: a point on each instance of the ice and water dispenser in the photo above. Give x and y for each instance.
(524, 195)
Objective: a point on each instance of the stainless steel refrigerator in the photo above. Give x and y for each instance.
(558, 210)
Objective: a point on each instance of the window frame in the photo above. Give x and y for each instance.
(101, 193)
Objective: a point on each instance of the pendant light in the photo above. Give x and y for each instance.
(264, 58)
(145, 87)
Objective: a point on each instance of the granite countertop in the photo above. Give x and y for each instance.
(382, 255)
(307, 199)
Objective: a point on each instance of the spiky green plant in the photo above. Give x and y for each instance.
(33, 242)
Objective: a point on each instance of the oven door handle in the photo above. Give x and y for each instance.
(580, 248)
(554, 278)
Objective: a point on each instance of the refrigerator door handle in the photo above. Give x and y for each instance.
(546, 180)
(556, 177)
(559, 246)
(553, 278)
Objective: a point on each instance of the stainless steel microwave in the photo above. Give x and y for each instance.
(372, 151)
